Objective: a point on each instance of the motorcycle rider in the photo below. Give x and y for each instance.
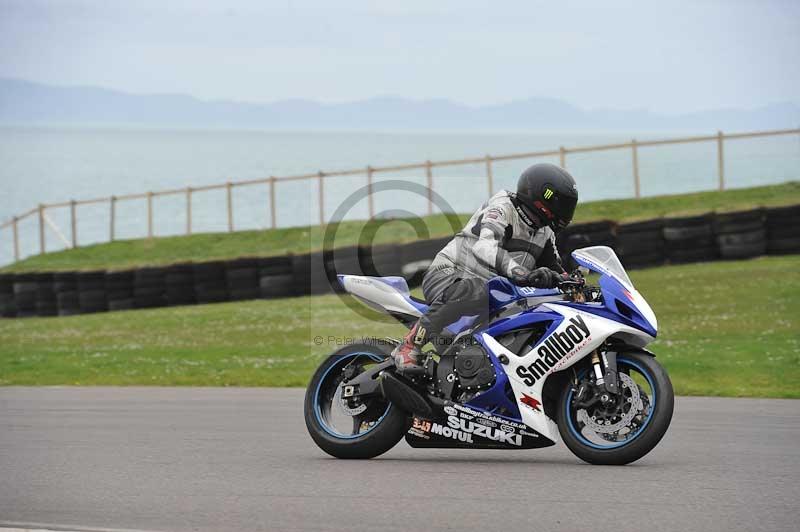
(511, 235)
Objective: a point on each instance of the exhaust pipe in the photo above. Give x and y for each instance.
(404, 396)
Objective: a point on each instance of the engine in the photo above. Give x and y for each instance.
(466, 374)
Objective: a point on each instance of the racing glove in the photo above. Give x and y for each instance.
(519, 276)
(540, 278)
(545, 278)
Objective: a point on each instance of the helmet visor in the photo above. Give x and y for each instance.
(563, 207)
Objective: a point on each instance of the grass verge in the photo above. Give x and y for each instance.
(202, 247)
(726, 329)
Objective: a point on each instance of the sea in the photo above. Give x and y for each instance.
(41, 165)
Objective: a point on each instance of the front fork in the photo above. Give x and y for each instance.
(606, 384)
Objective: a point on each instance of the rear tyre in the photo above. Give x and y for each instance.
(643, 432)
(377, 427)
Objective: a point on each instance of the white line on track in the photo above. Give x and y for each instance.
(49, 527)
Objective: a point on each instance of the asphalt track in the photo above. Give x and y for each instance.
(240, 459)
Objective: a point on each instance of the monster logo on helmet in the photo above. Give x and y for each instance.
(546, 195)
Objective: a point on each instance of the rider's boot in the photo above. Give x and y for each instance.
(408, 355)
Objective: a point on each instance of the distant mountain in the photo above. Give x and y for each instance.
(24, 102)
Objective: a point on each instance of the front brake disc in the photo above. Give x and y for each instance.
(634, 400)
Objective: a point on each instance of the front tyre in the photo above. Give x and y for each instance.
(628, 429)
(343, 428)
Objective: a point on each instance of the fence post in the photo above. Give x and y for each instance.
(720, 161)
(229, 191)
(41, 229)
(489, 176)
(321, 198)
(74, 223)
(112, 224)
(636, 184)
(188, 210)
(149, 215)
(562, 157)
(370, 200)
(15, 231)
(272, 216)
(429, 179)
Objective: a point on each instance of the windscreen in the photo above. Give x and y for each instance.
(604, 258)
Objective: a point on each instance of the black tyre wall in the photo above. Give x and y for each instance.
(689, 239)
(119, 290)
(149, 288)
(46, 304)
(730, 235)
(740, 235)
(65, 286)
(641, 244)
(8, 306)
(210, 282)
(309, 274)
(381, 261)
(242, 277)
(25, 294)
(92, 295)
(179, 281)
(275, 277)
(783, 230)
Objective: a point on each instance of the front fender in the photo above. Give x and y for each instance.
(622, 347)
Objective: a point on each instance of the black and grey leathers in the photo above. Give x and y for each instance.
(495, 241)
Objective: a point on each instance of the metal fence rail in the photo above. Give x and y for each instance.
(369, 172)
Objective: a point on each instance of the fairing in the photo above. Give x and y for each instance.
(573, 331)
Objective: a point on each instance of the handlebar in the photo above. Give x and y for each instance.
(568, 283)
(575, 288)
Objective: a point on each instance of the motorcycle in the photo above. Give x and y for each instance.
(543, 363)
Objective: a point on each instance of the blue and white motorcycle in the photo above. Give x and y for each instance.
(569, 361)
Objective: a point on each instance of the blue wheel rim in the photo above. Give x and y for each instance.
(318, 411)
(574, 431)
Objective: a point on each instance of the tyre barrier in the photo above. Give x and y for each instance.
(149, 287)
(120, 290)
(689, 239)
(26, 288)
(242, 280)
(642, 243)
(46, 302)
(65, 287)
(740, 235)
(275, 277)
(728, 235)
(179, 285)
(210, 282)
(92, 294)
(783, 230)
(8, 305)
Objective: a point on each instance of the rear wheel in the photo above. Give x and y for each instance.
(624, 428)
(348, 428)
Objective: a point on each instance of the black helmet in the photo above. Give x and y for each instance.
(547, 194)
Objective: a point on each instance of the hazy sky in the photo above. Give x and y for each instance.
(665, 56)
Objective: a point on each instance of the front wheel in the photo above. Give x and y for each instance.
(349, 428)
(626, 427)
